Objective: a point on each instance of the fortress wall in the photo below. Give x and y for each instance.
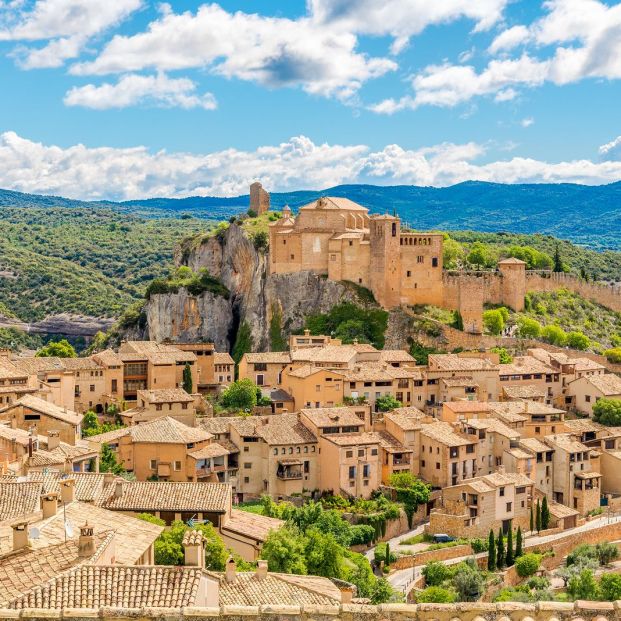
(476, 611)
(606, 295)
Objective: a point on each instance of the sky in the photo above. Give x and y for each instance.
(129, 99)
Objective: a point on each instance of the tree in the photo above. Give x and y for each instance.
(500, 550)
(284, 551)
(545, 514)
(610, 587)
(435, 573)
(387, 557)
(518, 542)
(538, 517)
(554, 335)
(386, 403)
(108, 461)
(606, 552)
(435, 595)
(607, 412)
(452, 253)
(351, 330)
(583, 586)
(503, 355)
(261, 240)
(528, 328)
(322, 553)
(58, 349)
(527, 564)
(90, 424)
(187, 379)
(491, 551)
(480, 256)
(411, 492)
(493, 321)
(381, 591)
(509, 556)
(577, 340)
(468, 582)
(241, 395)
(557, 261)
(532, 520)
(613, 355)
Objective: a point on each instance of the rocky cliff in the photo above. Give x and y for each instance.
(268, 306)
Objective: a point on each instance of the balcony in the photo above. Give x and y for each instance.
(401, 461)
(288, 475)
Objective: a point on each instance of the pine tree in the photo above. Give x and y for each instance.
(518, 543)
(532, 520)
(509, 557)
(545, 514)
(538, 518)
(187, 379)
(558, 263)
(500, 550)
(491, 552)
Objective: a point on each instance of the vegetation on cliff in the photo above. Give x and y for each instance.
(184, 277)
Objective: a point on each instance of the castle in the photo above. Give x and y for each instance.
(337, 237)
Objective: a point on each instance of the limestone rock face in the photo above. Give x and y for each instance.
(255, 297)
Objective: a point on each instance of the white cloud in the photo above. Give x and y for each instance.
(115, 173)
(403, 19)
(134, 89)
(587, 39)
(611, 150)
(527, 122)
(66, 26)
(272, 51)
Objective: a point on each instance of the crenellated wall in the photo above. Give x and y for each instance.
(502, 611)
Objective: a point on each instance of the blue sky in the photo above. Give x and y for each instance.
(132, 98)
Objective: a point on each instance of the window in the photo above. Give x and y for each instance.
(349, 454)
(260, 380)
(360, 452)
(158, 407)
(275, 451)
(247, 449)
(352, 472)
(509, 507)
(437, 465)
(153, 464)
(434, 262)
(409, 273)
(114, 385)
(501, 491)
(177, 466)
(92, 387)
(422, 463)
(246, 479)
(247, 465)
(420, 259)
(306, 449)
(374, 451)
(587, 398)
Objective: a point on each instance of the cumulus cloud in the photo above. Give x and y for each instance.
(115, 173)
(66, 26)
(403, 19)
(134, 89)
(527, 122)
(586, 39)
(272, 51)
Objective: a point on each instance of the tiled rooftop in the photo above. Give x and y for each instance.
(332, 417)
(607, 383)
(165, 395)
(251, 525)
(525, 365)
(19, 499)
(49, 409)
(453, 362)
(269, 357)
(167, 430)
(444, 433)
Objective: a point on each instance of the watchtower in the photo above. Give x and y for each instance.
(259, 199)
(513, 286)
(385, 260)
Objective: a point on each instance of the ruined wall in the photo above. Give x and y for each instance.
(259, 198)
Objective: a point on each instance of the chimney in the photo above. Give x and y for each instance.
(261, 569)
(86, 542)
(49, 505)
(53, 440)
(118, 489)
(347, 593)
(20, 535)
(230, 570)
(67, 490)
(109, 478)
(194, 549)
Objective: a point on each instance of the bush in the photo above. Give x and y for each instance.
(527, 564)
(528, 328)
(241, 395)
(435, 595)
(468, 582)
(504, 356)
(607, 412)
(613, 355)
(385, 403)
(554, 335)
(610, 587)
(577, 340)
(493, 321)
(606, 552)
(435, 573)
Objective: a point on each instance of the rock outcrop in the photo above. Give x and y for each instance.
(267, 304)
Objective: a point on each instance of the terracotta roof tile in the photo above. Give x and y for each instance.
(165, 395)
(167, 430)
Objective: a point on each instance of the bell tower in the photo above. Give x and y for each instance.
(385, 263)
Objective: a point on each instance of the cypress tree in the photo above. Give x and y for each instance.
(187, 379)
(500, 550)
(509, 557)
(387, 559)
(538, 518)
(491, 552)
(545, 514)
(532, 520)
(558, 263)
(518, 543)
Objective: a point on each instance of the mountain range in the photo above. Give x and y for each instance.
(586, 215)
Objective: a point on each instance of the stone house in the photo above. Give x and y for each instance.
(587, 390)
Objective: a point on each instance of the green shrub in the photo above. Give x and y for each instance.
(435, 595)
(610, 587)
(577, 340)
(493, 321)
(527, 564)
(613, 355)
(554, 335)
(528, 328)
(607, 412)
(435, 573)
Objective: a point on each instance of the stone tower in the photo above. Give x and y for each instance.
(513, 286)
(259, 198)
(385, 260)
